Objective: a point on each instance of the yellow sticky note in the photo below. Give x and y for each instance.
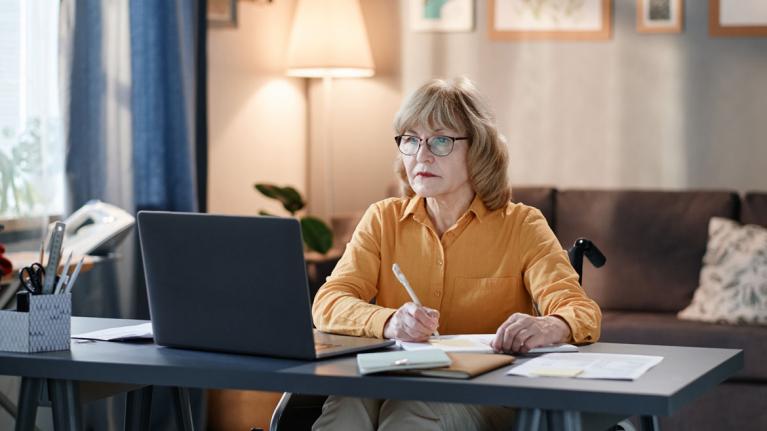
(556, 372)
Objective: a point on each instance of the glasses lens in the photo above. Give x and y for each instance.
(441, 145)
(408, 145)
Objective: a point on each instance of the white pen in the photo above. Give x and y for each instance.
(401, 277)
(73, 278)
(63, 277)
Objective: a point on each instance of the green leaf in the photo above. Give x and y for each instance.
(268, 190)
(291, 199)
(288, 196)
(317, 235)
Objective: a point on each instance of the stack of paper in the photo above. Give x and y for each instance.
(478, 343)
(587, 366)
(121, 333)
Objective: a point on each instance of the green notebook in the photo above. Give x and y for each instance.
(369, 363)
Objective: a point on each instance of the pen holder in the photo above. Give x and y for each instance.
(44, 328)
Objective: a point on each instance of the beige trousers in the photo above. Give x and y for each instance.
(340, 413)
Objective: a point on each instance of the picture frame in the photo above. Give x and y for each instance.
(550, 19)
(660, 16)
(221, 13)
(744, 18)
(441, 15)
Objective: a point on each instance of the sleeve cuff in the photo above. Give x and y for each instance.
(375, 327)
(577, 336)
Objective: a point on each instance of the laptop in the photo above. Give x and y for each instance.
(233, 284)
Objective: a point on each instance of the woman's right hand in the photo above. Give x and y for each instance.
(412, 322)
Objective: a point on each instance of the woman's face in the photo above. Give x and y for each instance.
(437, 176)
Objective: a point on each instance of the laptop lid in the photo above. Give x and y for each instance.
(227, 283)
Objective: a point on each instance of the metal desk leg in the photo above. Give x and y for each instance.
(138, 408)
(8, 406)
(183, 408)
(528, 420)
(649, 423)
(65, 398)
(29, 397)
(567, 420)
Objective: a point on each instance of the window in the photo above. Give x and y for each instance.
(31, 141)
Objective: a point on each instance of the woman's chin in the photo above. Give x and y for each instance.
(425, 192)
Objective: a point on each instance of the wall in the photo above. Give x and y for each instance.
(641, 111)
(361, 115)
(261, 127)
(257, 116)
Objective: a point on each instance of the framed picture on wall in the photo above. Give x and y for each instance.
(737, 18)
(222, 13)
(441, 15)
(550, 19)
(660, 16)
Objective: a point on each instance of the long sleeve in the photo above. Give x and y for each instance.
(342, 305)
(553, 283)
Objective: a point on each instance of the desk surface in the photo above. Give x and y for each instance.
(684, 374)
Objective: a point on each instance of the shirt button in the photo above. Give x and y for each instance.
(437, 293)
(439, 262)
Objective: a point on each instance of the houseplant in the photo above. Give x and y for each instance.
(317, 235)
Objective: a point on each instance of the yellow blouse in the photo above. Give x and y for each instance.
(487, 266)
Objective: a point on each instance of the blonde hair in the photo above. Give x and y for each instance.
(457, 104)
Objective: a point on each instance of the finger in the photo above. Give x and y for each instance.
(537, 340)
(425, 318)
(416, 326)
(500, 333)
(521, 338)
(432, 312)
(511, 333)
(414, 334)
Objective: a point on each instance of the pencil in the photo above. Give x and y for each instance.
(42, 249)
(403, 280)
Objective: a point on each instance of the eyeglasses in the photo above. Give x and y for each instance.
(438, 145)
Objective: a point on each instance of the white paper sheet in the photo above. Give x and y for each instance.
(133, 332)
(478, 343)
(587, 366)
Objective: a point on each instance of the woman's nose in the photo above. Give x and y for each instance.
(424, 154)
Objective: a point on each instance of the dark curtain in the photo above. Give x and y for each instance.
(166, 152)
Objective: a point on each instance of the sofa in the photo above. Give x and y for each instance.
(654, 242)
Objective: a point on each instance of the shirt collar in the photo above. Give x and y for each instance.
(416, 206)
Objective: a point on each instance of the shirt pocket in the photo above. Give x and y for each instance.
(482, 304)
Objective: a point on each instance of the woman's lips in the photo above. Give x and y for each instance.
(425, 174)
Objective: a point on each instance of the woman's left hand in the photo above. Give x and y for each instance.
(522, 332)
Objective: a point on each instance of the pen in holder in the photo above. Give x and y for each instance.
(43, 327)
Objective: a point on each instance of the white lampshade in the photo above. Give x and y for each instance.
(328, 39)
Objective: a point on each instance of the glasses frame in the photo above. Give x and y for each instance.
(398, 139)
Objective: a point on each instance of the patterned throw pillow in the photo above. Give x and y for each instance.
(733, 280)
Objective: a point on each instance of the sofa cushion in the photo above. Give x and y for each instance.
(733, 281)
(538, 197)
(666, 329)
(654, 242)
(754, 209)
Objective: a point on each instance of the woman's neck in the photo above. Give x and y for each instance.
(445, 210)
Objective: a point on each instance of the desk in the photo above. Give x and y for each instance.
(684, 374)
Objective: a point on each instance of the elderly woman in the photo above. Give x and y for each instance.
(477, 262)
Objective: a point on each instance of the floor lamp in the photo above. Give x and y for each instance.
(328, 40)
